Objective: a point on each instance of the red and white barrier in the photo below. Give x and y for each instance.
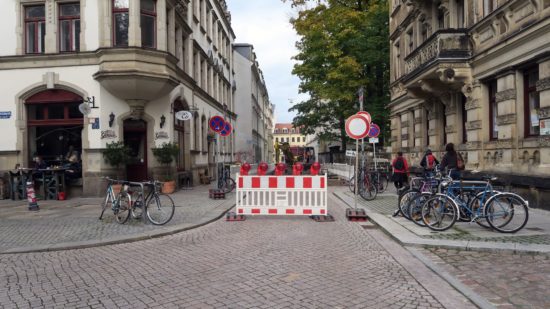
(281, 195)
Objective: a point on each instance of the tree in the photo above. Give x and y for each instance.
(344, 45)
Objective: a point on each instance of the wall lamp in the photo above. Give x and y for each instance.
(111, 119)
(162, 121)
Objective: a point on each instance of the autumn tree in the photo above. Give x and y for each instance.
(343, 46)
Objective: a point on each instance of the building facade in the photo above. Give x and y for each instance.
(254, 141)
(474, 73)
(287, 133)
(135, 63)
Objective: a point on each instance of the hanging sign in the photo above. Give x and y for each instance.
(183, 115)
(374, 130)
(226, 131)
(216, 123)
(357, 126)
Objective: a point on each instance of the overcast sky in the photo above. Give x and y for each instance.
(265, 24)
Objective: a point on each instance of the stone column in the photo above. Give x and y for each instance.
(474, 95)
(451, 123)
(506, 117)
(171, 31)
(395, 132)
(543, 87)
(50, 40)
(161, 25)
(405, 128)
(134, 28)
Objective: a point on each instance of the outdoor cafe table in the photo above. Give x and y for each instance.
(53, 182)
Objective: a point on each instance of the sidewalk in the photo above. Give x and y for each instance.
(533, 238)
(74, 223)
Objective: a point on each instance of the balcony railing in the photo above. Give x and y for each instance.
(451, 44)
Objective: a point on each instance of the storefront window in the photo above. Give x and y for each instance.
(35, 29)
(69, 27)
(531, 103)
(493, 127)
(120, 22)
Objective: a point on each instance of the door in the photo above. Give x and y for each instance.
(135, 137)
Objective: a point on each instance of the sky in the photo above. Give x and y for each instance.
(265, 24)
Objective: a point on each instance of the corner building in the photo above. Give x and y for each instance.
(477, 74)
(138, 62)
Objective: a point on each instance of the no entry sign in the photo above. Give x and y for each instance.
(366, 115)
(357, 126)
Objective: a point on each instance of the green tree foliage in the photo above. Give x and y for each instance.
(344, 45)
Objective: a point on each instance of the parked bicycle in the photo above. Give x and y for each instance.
(119, 203)
(225, 182)
(159, 208)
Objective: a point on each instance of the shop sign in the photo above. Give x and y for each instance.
(545, 127)
(5, 115)
(350, 153)
(107, 134)
(161, 135)
(183, 115)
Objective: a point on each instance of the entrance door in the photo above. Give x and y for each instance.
(135, 137)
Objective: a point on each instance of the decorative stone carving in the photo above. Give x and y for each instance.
(474, 125)
(506, 119)
(472, 104)
(450, 129)
(508, 94)
(543, 84)
(544, 112)
(499, 144)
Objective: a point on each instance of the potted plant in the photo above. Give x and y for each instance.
(165, 155)
(116, 154)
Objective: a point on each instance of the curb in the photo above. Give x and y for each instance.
(165, 231)
(406, 238)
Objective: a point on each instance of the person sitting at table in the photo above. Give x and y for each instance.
(39, 163)
(73, 168)
(71, 153)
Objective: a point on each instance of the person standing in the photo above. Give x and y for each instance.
(429, 162)
(400, 170)
(452, 161)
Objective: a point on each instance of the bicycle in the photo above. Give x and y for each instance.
(119, 204)
(225, 182)
(159, 208)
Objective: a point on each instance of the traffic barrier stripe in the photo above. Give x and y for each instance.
(281, 182)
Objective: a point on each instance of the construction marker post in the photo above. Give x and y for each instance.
(31, 197)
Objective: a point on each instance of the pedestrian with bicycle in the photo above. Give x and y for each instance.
(400, 171)
(452, 161)
(429, 162)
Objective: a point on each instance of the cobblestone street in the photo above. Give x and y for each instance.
(262, 262)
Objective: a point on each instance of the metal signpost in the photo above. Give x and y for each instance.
(357, 127)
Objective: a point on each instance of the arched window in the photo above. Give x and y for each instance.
(196, 130)
(203, 133)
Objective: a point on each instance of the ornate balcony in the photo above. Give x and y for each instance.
(448, 45)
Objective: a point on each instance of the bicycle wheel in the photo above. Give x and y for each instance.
(439, 213)
(160, 209)
(228, 186)
(368, 190)
(107, 203)
(404, 200)
(137, 206)
(351, 184)
(383, 182)
(506, 212)
(476, 205)
(122, 207)
(415, 207)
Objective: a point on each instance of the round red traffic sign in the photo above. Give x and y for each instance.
(366, 115)
(216, 123)
(374, 130)
(357, 126)
(227, 128)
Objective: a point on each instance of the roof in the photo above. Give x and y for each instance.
(286, 126)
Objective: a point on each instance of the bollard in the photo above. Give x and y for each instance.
(280, 169)
(262, 169)
(315, 168)
(297, 169)
(245, 168)
(31, 197)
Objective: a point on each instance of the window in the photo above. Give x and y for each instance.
(179, 131)
(397, 62)
(304, 139)
(120, 22)
(460, 13)
(69, 27)
(293, 140)
(410, 42)
(35, 29)
(276, 140)
(493, 128)
(488, 7)
(148, 23)
(196, 129)
(203, 134)
(424, 32)
(531, 102)
(441, 20)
